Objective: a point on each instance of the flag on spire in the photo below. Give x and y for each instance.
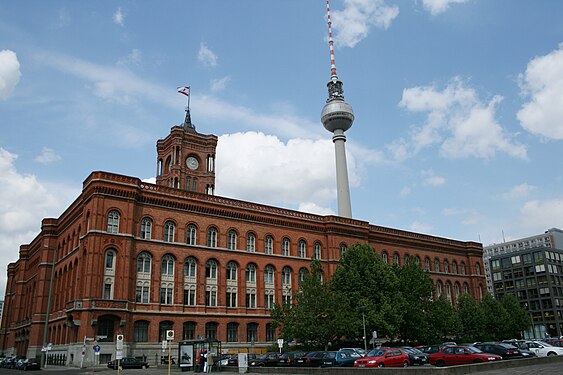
(185, 90)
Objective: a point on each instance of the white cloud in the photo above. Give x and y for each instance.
(132, 59)
(353, 23)
(430, 179)
(299, 174)
(119, 17)
(543, 83)
(436, 7)
(9, 73)
(24, 202)
(219, 84)
(47, 156)
(419, 227)
(457, 120)
(538, 215)
(519, 191)
(206, 56)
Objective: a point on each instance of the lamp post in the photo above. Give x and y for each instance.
(365, 337)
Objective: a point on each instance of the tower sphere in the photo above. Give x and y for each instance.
(337, 114)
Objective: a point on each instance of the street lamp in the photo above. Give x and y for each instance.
(365, 338)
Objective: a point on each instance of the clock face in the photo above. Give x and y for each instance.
(192, 163)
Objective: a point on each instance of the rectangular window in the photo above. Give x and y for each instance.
(269, 301)
(189, 297)
(107, 291)
(250, 300)
(231, 299)
(211, 298)
(232, 332)
(166, 296)
(270, 333)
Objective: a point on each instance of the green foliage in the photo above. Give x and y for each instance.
(396, 301)
(471, 318)
(371, 287)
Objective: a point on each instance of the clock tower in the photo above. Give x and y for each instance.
(186, 159)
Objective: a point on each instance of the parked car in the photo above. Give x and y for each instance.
(233, 361)
(288, 358)
(19, 364)
(506, 351)
(521, 344)
(558, 343)
(429, 349)
(461, 355)
(267, 359)
(356, 352)
(543, 349)
(128, 362)
(416, 356)
(30, 364)
(384, 357)
(340, 358)
(311, 359)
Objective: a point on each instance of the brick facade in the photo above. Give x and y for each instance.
(96, 294)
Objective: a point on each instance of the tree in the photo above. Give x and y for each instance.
(471, 318)
(416, 288)
(371, 288)
(317, 315)
(496, 319)
(443, 321)
(519, 320)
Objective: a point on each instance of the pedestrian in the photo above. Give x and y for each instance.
(210, 362)
(205, 362)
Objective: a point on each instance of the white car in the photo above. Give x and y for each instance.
(543, 349)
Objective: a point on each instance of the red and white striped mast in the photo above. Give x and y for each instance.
(337, 116)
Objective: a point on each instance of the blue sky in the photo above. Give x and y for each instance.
(459, 106)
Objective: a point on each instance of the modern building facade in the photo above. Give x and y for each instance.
(138, 259)
(535, 276)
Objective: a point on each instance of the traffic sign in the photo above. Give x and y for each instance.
(96, 348)
(170, 334)
(119, 354)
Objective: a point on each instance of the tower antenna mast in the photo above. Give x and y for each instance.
(337, 116)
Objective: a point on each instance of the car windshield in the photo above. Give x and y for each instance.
(473, 349)
(330, 355)
(376, 353)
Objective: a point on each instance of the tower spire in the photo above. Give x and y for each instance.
(337, 116)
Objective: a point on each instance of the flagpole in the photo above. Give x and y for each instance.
(190, 94)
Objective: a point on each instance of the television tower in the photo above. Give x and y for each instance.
(337, 116)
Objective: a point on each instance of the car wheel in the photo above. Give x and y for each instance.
(440, 363)
(551, 353)
(380, 365)
(406, 364)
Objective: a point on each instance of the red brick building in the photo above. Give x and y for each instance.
(137, 258)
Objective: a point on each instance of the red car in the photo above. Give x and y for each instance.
(461, 355)
(384, 357)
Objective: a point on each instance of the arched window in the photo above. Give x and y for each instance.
(437, 265)
(231, 271)
(252, 332)
(465, 288)
(212, 237)
(232, 332)
(250, 242)
(146, 228)
(191, 232)
(106, 327)
(438, 289)
(385, 257)
(269, 275)
(169, 231)
(211, 269)
(113, 222)
(251, 273)
(141, 331)
(286, 277)
(302, 249)
(462, 268)
(396, 259)
(285, 247)
(162, 328)
(454, 267)
(269, 245)
(270, 333)
(190, 268)
(417, 260)
(144, 263)
(302, 274)
(343, 249)
(427, 264)
(188, 330)
(446, 266)
(232, 240)
(477, 268)
(167, 265)
(317, 250)
(448, 291)
(211, 330)
(457, 290)
(110, 259)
